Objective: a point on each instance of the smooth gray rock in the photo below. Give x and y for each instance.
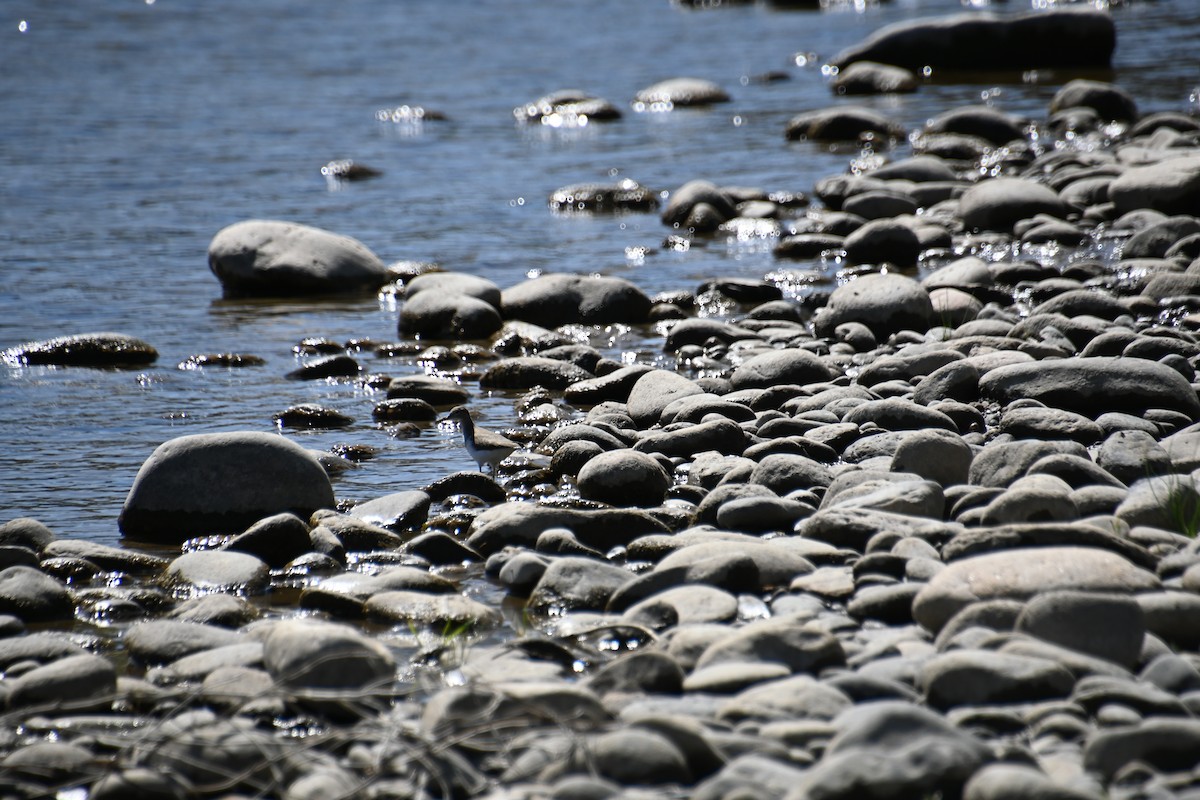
(443, 611)
(561, 299)
(217, 570)
(1103, 625)
(328, 661)
(448, 315)
(682, 92)
(1111, 102)
(1006, 781)
(779, 641)
(893, 414)
(721, 435)
(221, 482)
(1094, 385)
(654, 391)
(840, 124)
(885, 303)
(34, 597)
(162, 641)
(573, 582)
(1132, 455)
(648, 671)
(529, 372)
(520, 523)
(788, 698)
(883, 241)
(454, 283)
(784, 472)
(623, 478)
(1171, 186)
(866, 77)
(399, 511)
(776, 367)
(1000, 465)
(1167, 745)
(275, 540)
(935, 455)
(684, 201)
(1022, 573)
(639, 757)
(979, 677)
(267, 257)
(74, 684)
(1169, 502)
(998, 204)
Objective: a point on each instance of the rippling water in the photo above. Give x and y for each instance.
(132, 132)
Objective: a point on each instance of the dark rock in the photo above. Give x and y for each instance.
(34, 597)
(998, 204)
(623, 478)
(841, 123)
(560, 299)
(84, 350)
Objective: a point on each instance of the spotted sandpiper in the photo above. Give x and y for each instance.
(483, 445)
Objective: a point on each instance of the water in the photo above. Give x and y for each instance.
(132, 132)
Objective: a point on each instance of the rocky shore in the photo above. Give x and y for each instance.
(929, 533)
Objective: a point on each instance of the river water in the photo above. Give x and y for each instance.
(132, 132)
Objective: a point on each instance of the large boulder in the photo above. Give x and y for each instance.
(268, 257)
(221, 483)
(561, 299)
(974, 41)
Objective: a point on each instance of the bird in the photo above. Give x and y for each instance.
(483, 445)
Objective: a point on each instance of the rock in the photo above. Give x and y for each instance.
(160, 641)
(447, 315)
(885, 303)
(1169, 502)
(567, 106)
(1022, 573)
(998, 204)
(573, 582)
(780, 641)
(529, 372)
(934, 455)
(454, 283)
(1109, 101)
(751, 775)
(614, 386)
(1091, 386)
(623, 478)
(76, 684)
(275, 540)
(46, 764)
(1107, 626)
(1049, 423)
(892, 749)
(604, 198)
(442, 611)
(34, 597)
(1001, 464)
(136, 783)
(732, 677)
(650, 671)
(867, 77)
(429, 388)
(1167, 745)
(560, 299)
(639, 757)
(322, 661)
(221, 482)
(679, 92)
(777, 367)
(693, 603)
(783, 473)
(84, 350)
(979, 677)
(841, 123)
(721, 435)
(892, 414)
(684, 201)
(794, 697)
(883, 241)
(398, 511)
(699, 330)
(1007, 781)
(520, 523)
(1065, 37)
(25, 532)
(1154, 241)
(265, 257)
(223, 610)
(1171, 186)
(984, 122)
(654, 391)
(217, 570)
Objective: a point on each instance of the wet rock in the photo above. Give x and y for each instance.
(221, 482)
(1066, 37)
(84, 350)
(266, 257)
(883, 241)
(866, 77)
(311, 415)
(26, 532)
(528, 372)
(1109, 101)
(998, 204)
(76, 683)
(573, 582)
(567, 107)
(561, 299)
(217, 570)
(679, 92)
(107, 557)
(1171, 186)
(328, 661)
(623, 478)
(162, 641)
(604, 198)
(841, 123)
(34, 597)
(443, 611)
(222, 610)
(885, 303)
(444, 314)
(275, 540)
(428, 388)
(1111, 627)
(984, 122)
(1022, 573)
(399, 511)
